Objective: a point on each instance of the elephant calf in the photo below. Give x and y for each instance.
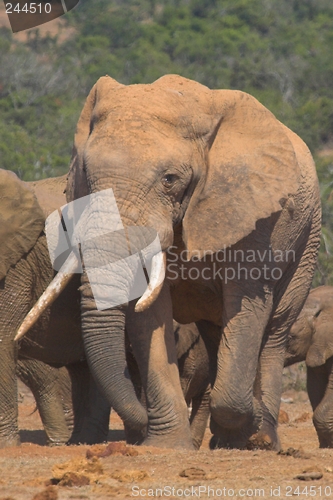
(311, 339)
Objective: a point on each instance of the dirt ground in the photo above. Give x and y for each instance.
(34, 471)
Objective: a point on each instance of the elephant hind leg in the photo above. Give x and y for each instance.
(289, 301)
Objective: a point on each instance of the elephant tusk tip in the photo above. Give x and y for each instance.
(140, 307)
(25, 326)
(20, 333)
(148, 298)
(156, 283)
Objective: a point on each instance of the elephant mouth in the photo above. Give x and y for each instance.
(66, 273)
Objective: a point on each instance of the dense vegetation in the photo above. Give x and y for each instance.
(278, 50)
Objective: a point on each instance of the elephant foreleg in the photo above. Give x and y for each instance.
(42, 380)
(199, 417)
(91, 409)
(320, 383)
(135, 436)
(268, 389)
(246, 312)
(152, 338)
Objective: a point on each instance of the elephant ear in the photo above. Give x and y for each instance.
(251, 171)
(96, 104)
(21, 220)
(186, 336)
(321, 348)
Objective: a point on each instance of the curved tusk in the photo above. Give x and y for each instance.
(57, 285)
(155, 283)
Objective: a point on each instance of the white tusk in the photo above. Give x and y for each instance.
(57, 285)
(156, 281)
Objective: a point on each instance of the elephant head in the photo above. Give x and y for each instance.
(209, 163)
(310, 337)
(321, 346)
(22, 220)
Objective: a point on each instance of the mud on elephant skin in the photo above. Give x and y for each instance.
(311, 340)
(25, 272)
(215, 175)
(193, 365)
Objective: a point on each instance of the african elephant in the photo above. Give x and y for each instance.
(25, 272)
(311, 339)
(232, 195)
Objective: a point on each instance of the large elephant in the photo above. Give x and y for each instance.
(25, 272)
(233, 196)
(311, 339)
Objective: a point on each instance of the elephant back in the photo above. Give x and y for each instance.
(21, 220)
(50, 193)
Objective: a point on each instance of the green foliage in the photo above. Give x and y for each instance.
(279, 51)
(324, 274)
(294, 377)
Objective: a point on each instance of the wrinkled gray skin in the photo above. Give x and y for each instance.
(52, 390)
(193, 364)
(207, 170)
(56, 337)
(311, 339)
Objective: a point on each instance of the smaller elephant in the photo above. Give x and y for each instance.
(311, 339)
(55, 339)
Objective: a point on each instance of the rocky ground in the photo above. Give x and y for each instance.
(36, 472)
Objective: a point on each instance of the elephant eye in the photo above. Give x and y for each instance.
(168, 180)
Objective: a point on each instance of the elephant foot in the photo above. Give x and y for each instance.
(52, 443)
(323, 426)
(229, 438)
(264, 440)
(134, 436)
(10, 442)
(325, 444)
(228, 442)
(179, 442)
(266, 436)
(84, 439)
(325, 441)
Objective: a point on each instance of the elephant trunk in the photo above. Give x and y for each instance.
(104, 340)
(109, 281)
